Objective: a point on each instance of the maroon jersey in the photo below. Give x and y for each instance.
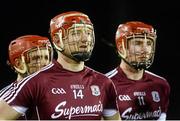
(61, 94)
(5, 94)
(147, 98)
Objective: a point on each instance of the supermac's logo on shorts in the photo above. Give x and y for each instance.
(95, 90)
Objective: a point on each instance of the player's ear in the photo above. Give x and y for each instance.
(20, 65)
(56, 38)
(17, 62)
(121, 49)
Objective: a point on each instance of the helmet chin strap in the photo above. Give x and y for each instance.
(139, 65)
(81, 56)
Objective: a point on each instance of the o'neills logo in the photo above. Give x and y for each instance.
(126, 115)
(70, 112)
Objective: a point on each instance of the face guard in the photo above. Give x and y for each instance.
(140, 51)
(75, 35)
(36, 58)
(136, 44)
(29, 53)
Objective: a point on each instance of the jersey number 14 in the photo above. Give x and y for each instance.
(78, 94)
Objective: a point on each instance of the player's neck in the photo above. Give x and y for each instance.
(130, 72)
(70, 64)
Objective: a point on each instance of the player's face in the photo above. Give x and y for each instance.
(140, 49)
(37, 58)
(79, 41)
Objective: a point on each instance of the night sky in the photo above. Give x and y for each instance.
(33, 16)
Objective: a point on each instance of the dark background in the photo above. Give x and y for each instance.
(18, 18)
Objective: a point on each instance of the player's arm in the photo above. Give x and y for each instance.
(165, 102)
(111, 114)
(110, 111)
(162, 117)
(7, 112)
(116, 116)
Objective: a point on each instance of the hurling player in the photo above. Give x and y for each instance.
(141, 94)
(27, 54)
(67, 89)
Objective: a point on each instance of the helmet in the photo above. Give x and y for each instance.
(132, 30)
(21, 46)
(62, 24)
(66, 20)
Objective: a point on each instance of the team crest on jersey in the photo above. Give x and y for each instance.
(155, 96)
(95, 90)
